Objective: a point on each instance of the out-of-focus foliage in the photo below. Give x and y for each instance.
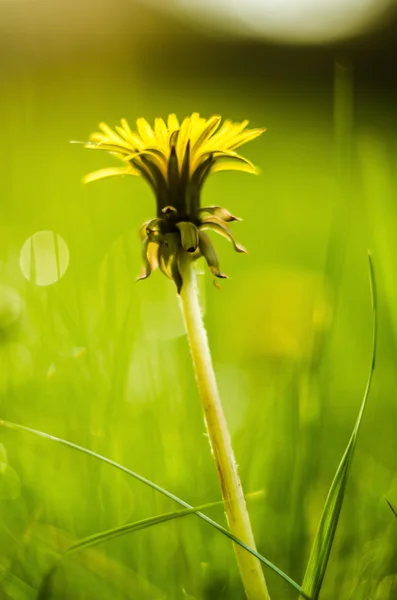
(101, 360)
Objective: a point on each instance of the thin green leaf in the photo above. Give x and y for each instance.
(104, 536)
(322, 545)
(159, 489)
(90, 541)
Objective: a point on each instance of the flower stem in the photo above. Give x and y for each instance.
(235, 507)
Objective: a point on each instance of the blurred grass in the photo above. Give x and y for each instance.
(322, 545)
(102, 361)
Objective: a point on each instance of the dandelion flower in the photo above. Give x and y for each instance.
(175, 159)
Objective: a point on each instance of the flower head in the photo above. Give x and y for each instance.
(175, 159)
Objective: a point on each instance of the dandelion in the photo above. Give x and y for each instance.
(176, 160)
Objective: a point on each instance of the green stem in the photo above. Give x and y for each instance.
(236, 510)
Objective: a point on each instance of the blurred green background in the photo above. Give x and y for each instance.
(102, 361)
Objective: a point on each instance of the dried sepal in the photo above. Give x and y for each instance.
(149, 256)
(176, 274)
(168, 256)
(224, 232)
(142, 230)
(169, 210)
(189, 236)
(164, 261)
(220, 212)
(208, 251)
(156, 230)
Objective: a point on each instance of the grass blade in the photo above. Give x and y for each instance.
(322, 545)
(90, 541)
(159, 489)
(391, 508)
(109, 534)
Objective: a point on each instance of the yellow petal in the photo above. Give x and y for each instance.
(217, 139)
(161, 133)
(229, 156)
(156, 157)
(210, 127)
(183, 138)
(110, 147)
(197, 125)
(132, 140)
(234, 165)
(145, 131)
(99, 137)
(125, 125)
(110, 133)
(194, 119)
(110, 172)
(129, 135)
(244, 137)
(173, 123)
(226, 135)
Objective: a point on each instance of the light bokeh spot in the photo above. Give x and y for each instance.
(44, 258)
(10, 307)
(306, 21)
